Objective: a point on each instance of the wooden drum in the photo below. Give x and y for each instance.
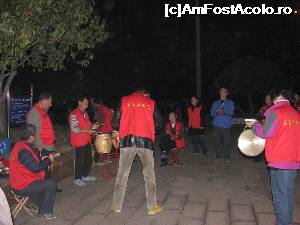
(103, 143)
(115, 139)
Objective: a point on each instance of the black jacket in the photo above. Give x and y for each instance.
(135, 141)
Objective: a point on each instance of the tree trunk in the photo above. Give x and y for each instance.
(3, 117)
(5, 82)
(250, 101)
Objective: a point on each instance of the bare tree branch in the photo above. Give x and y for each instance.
(10, 78)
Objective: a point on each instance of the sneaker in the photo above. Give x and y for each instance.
(227, 161)
(80, 183)
(156, 210)
(88, 178)
(48, 216)
(115, 210)
(196, 154)
(100, 163)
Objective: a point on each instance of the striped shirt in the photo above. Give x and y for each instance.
(74, 124)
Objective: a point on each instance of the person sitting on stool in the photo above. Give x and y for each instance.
(27, 173)
(172, 141)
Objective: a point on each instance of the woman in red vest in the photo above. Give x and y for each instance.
(281, 130)
(27, 173)
(196, 126)
(172, 141)
(81, 131)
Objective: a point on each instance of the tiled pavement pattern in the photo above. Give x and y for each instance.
(202, 192)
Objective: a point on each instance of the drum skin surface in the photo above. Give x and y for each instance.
(249, 144)
(103, 143)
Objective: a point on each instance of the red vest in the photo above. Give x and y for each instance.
(19, 176)
(81, 139)
(137, 116)
(107, 115)
(180, 143)
(47, 134)
(284, 146)
(194, 117)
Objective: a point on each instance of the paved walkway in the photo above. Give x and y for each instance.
(202, 192)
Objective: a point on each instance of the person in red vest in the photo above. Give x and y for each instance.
(172, 141)
(137, 120)
(81, 130)
(281, 130)
(27, 172)
(38, 116)
(196, 126)
(106, 115)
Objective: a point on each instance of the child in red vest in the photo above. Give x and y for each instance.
(172, 141)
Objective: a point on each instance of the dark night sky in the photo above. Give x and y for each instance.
(147, 50)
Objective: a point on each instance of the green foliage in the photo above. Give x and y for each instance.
(45, 34)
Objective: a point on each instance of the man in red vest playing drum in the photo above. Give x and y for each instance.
(81, 131)
(105, 119)
(282, 133)
(136, 119)
(44, 129)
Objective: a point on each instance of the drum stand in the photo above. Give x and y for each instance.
(106, 170)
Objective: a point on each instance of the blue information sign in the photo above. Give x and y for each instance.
(19, 107)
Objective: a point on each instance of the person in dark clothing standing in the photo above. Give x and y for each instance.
(222, 111)
(196, 126)
(27, 172)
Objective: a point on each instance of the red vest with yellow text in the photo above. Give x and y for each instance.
(180, 143)
(19, 176)
(46, 134)
(137, 116)
(81, 139)
(194, 117)
(284, 146)
(107, 115)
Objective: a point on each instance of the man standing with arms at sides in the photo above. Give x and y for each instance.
(81, 131)
(38, 116)
(136, 119)
(222, 111)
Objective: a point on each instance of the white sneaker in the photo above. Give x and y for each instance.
(80, 183)
(88, 178)
(99, 164)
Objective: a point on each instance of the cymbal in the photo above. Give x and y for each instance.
(249, 144)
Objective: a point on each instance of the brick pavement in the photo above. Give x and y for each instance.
(202, 192)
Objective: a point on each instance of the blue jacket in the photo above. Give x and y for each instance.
(222, 121)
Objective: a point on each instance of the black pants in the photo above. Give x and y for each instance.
(83, 161)
(42, 193)
(166, 145)
(222, 142)
(198, 143)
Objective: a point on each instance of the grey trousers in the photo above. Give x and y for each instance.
(127, 156)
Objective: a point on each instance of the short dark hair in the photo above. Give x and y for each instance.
(26, 131)
(81, 98)
(285, 93)
(98, 101)
(45, 95)
(142, 91)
